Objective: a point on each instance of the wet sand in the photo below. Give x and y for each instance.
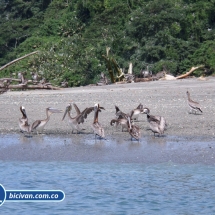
(149, 150)
(166, 98)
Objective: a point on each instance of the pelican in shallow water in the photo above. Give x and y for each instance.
(96, 126)
(79, 118)
(157, 123)
(133, 130)
(23, 122)
(40, 124)
(194, 106)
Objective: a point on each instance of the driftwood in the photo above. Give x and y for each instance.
(21, 86)
(144, 79)
(14, 61)
(121, 82)
(5, 83)
(188, 73)
(13, 79)
(171, 77)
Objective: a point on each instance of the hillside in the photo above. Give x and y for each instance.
(72, 36)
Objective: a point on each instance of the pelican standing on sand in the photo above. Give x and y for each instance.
(194, 106)
(79, 118)
(119, 113)
(136, 112)
(120, 121)
(23, 122)
(96, 126)
(40, 124)
(157, 123)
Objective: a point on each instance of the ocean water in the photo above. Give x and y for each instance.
(153, 176)
(112, 188)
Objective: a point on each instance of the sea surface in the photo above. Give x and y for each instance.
(109, 186)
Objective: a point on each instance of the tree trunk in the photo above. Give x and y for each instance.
(109, 68)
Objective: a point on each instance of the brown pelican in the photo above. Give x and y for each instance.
(35, 77)
(79, 118)
(119, 113)
(40, 124)
(135, 113)
(22, 79)
(193, 105)
(96, 126)
(157, 123)
(23, 122)
(120, 121)
(146, 73)
(64, 84)
(133, 130)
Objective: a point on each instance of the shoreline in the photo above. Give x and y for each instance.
(64, 148)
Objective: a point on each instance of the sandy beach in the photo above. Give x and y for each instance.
(164, 98)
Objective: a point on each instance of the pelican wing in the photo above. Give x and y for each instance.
(162, 125)
(154, 127)
(140, 106)
(83, 115)
(36, 124)
(80, 118)
(155, 119)
(121, 115)
(194, 105)
(87, 111)
(117, 109)
(76, 108)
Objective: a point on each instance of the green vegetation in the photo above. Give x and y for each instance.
(72, 36)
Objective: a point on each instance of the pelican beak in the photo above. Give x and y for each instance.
(101, 108)
(67, 109)
(54, 110)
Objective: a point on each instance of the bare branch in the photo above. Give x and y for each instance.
(14, 61)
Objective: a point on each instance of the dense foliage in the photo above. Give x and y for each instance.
(72, 36)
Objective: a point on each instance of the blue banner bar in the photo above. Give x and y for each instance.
(34, 195)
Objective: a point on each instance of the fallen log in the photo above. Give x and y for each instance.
(32, 87)
(143, 79)
(188, 73)
(13, 79)
(14, 61)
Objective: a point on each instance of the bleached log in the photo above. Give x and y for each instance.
(21, 86)
(188, 73)
(130, 68)
(14, 61)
